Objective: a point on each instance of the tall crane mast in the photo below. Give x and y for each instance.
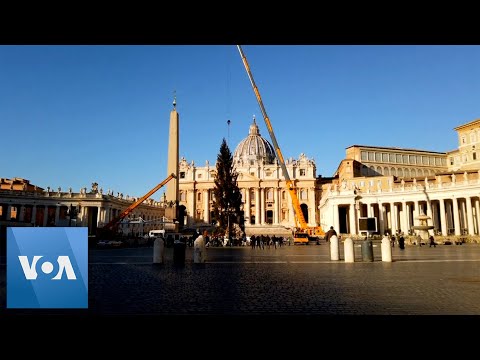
(315, 231)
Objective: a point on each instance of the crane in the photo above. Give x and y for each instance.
(110, 225)
(303, 231)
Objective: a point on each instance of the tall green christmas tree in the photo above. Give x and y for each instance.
(227, 196)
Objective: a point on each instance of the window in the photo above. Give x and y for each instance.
(252, 162)
(370, 156)
(199, 196)
(392, 158)
(302, 172)
(464, 140)
(182, 196)
(432, 161)
(438, 161)
(283, 195)
(405, 159)
(424, 160)
(182, 174)
(472, 137)
(199, 176)
(412, 159)
(268, 173)
(364, 155)
(419, 160)
(378, 157)
(270, 194)
(399, 158)
(385, 157)
(303, 195)
(474, 156)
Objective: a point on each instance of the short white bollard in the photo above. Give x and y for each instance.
(199, 251)
(349, 251)
(386, 249)
(334, 248)
(158, 251)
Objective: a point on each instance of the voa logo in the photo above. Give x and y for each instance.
(64, 266)
(47, 267)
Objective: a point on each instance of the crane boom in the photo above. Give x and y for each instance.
(132, 207)
(290, 186)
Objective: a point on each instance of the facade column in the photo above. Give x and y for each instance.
(291, 212)
(456, 217)
(403, 218)
(381, 224)
(262, 205)
(34, 215)
(443, 219)
(206, 206)
(108, 211)
(257, 206)
(99, 215)
(477, 214)
(369, 210)
(393, 219)
(415, 213)
(429, 212)
(191, 198)
(336, 222)
(45, 215)
(449, 214)
(463, 216)
(9, 212)
(275, 206)
(353, 219)
(247, 206)
(57, 214)
(21, 212)
(471, 230)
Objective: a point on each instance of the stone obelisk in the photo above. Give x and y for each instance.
(172, 194)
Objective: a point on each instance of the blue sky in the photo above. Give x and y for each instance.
(72, 115)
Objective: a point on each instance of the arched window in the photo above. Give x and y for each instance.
(270, 194)
(386, 172)
(199, 196)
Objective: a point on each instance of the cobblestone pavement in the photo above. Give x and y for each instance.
(293, 280)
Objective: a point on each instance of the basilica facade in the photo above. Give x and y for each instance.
(266, 204)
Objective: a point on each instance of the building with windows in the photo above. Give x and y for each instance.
(24, 204)
(395, 185)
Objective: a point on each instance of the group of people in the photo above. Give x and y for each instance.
(401, 241)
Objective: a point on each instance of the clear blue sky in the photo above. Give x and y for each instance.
(72, 115)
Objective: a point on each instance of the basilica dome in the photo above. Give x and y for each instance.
(254, 148)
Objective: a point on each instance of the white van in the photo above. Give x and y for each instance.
(156, 233)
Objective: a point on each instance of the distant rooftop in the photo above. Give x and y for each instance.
(396, 148)
(474, 122)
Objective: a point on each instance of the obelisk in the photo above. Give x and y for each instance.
(172, 195)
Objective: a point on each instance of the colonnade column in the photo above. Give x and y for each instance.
(443, 219)
(257, 206)
(471, 230)
(352, 217)
(34, 215)
(275, 206)
(246, 206)
(456, 217)
(262, 206)
(206, 206)
(381, 222)
(45, 215)
(477, 215)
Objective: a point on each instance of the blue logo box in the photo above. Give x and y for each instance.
(47, 267)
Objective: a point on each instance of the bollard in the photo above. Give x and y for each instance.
(367, 250)
(386, 250)
(179, 249)
(349, 251)
(199, 252)
(158, 251)
(334, 248)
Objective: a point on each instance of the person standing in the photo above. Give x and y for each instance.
(401, 242)
(330, 233)
(432, 241)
